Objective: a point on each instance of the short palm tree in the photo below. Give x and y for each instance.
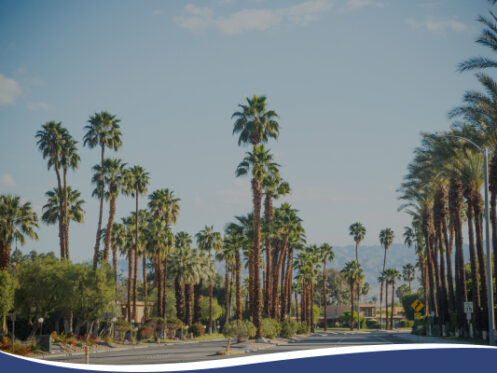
(113, 170)
(208, 240)
(102, 131)
(357, 231)
(135, 183)
(386, 240)
(17, 221)
(392, 276)
(352, 273)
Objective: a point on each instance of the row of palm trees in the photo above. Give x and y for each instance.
(442, 193)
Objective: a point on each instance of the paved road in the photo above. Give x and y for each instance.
(188, 352)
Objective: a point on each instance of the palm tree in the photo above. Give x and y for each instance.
(392, 276)
(103, 131)
(260, 164)
(135, 184)
(227, 254)
(208, 241)
(164, 206)
(352, 273)
(254, 123)
(117, 242)
(127, 249)
(327, 254)
(113, 171)
(274, 188)
(357, 231)
(75, 206)
(50, 141)
(381, 279)
(409, 274)
(17, 221)
(386, 240)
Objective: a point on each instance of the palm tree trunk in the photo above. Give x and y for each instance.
(135, 278)
(61, 213)
(110, 224)
(477, 206)
(66, 217)
(312, 306)
(288, 286)
(493, 208)
(455, 206)
(448, 259)
(238, 282)
(268, 214)
(427, 232)
(392, 307)
(145, 290)
(114, 262)
(196, 301)
(386, 304)
(179, 291)
(351, 304)
(226, 291)
(188, 304)
(474, 272)
(164, 288)
(158, 275)
(297, 307)
(324, 297)
(130, 279)
(276, 274)
(100, 213)
(210, 306)
(136, 257)
(381, 306)
(257, 193)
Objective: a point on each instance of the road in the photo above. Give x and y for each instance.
(206, 350)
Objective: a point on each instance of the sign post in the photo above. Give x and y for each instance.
(468, 309)
(87, 354)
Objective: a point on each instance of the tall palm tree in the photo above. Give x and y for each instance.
(260, 164)
(103, 131)
(208, 240)
(357, 231)
(386, 239)
(113, 170)
(274, 188)
(50, 141)
(127, 249)
(254, 123)
(117, 242)
(352, 273)
(164, 206)
(135, 183)
(17, 221)
(327, 254)
(409, 274)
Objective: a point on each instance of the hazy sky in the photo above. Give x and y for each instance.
(354, 82)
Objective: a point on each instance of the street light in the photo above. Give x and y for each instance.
(40, 321)
(491, 317)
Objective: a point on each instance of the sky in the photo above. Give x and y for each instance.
(353, 81)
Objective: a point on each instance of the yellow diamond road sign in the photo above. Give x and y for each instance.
(417, 305)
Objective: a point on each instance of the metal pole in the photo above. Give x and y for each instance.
(491, 317)
(13, 334)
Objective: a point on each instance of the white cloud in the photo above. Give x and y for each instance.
(358, 4)
(10, 90)
(35, 106)
(7, 181)
(199, 19)
(438, 25)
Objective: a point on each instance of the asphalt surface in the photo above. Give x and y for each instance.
(206, 350)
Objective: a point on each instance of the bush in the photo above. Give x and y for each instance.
(303, 328)
(270, 328)
(289, 328)
(372, 324)
(172, 325)
(345, 319)
(197, 329)
(241, 330)
(146, 332)
(406, 323)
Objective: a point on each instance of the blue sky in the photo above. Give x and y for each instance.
(354, 83)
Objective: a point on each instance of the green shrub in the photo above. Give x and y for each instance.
(289, 328)
(363, 323)
(270, 328)
(406, 323)
(372, 324)
(303, 328)
(345, 319)
(146, 332)
(197, 329)
(241, 330)
(172, 326)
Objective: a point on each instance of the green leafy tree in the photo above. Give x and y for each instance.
(6, 296)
